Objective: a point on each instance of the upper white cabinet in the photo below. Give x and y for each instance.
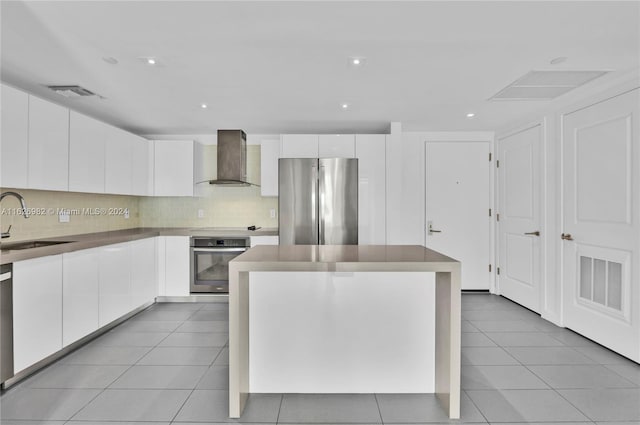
(336, 146)
(173, 168)
(48, 145)
(269, 155)
(37, 310)
(87, 138)
(80, 294)
(118, 151)
(370, 151)
(140, 164)
(299, 146)
(14, 130)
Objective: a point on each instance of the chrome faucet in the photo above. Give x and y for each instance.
(25, 212)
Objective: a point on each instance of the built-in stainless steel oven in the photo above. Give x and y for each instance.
(210, 258)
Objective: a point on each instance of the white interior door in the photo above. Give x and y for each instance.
(601, 182)
(458, 198)
(519, 234)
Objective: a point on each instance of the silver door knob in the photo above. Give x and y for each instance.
(566, 237)
(432, 230)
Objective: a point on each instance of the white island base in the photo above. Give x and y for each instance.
(344, 319)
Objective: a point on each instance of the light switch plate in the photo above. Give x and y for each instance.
(272, 213)
(200, 213)
(63, 217)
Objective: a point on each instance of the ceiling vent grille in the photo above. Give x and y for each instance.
(545, 85)
(72, 91)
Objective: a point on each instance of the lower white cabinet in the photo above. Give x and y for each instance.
(80, 294)
(37, 310)
(264, 240)
(115, 285)
(174, 265)
(144, 286)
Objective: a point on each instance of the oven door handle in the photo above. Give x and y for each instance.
(218, 249)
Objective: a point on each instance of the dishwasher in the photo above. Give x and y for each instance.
(6, 322)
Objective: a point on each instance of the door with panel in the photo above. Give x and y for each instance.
(601, 230)
(458, 199)
(519, 235)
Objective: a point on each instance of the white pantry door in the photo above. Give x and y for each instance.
(519, 238)
(601, 186)
(458, 198)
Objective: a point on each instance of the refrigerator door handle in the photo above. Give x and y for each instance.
(314, 196)
(321, 200)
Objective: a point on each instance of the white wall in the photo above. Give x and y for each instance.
(550, 120)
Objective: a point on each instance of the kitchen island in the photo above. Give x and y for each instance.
(347, 259)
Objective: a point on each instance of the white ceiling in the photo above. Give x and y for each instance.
(282, 67)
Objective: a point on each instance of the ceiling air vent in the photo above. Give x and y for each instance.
(72, 91)
(545, 85)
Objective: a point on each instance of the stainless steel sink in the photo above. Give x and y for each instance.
(29, 245)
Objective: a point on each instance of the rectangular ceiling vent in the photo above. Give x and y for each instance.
(545, 85)
(72, 91)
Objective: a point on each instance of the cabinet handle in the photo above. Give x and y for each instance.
(566, 237)
(536, 233)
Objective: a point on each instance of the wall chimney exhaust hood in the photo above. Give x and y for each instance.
(232, 159)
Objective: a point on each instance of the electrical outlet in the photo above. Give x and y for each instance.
(272, 213)
(126, 213)
(63, 217)
(201, 213)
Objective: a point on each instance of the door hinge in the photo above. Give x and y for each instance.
(489, 212)
(490, 156)
(497, 217)
(489, 268)
(498, 270)
(497, 163)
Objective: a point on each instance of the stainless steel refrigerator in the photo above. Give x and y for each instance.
(318, 201)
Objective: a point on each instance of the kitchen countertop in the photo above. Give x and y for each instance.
(93, 240)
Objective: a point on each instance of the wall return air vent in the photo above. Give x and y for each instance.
(545, 85)
(72, 91)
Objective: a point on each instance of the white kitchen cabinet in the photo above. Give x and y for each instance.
(115, 282)
(144, 286)
(336, 146)
(299, 146)
(140, 164)
(37, 309)
(370, 151)
(263, 240)
(174, 265)
(269, 155)
(80, 294)
(118, 151)
(48, 156)
(14, 133)
(87, 138)
(173, 168)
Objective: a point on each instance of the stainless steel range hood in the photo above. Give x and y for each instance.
(232, 158)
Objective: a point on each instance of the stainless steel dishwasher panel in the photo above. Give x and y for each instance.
(6, 322)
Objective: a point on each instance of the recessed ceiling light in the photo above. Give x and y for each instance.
(151, 61)
(110, 60)
(203, 105)
(471, 115)
(558, 60)
(345, 106)
(357, 61)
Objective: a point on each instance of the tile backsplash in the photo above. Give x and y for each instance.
(88, 213)
(221, 207)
